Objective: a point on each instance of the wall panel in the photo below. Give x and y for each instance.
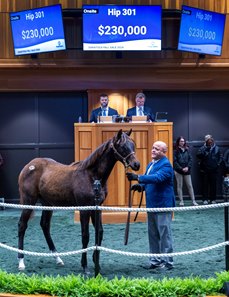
(36, 125)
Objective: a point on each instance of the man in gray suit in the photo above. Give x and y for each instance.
(140, 109)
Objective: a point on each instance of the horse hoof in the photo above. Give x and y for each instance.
(59, 262)
(21, 265)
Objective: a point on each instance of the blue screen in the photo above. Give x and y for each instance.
(201, 31)
(121, 28)
(38, 30)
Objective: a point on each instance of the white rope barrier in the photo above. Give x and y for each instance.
(206, 249)
(119, 209)
(100, 248)
(70, 253)
(124, 209)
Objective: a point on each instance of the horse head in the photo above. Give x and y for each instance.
(124, 149)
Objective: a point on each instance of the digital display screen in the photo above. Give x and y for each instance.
(38, 30)
(201, 31)
(122, 28)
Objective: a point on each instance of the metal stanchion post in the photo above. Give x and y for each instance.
(97, 191)
(226, 216)
(2, 200)
(226, 233)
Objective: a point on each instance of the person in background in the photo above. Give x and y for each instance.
(226, 162)
(140, 109)
(210, 157)
(1, 163)
(1, 160)
(158, 185)
(182, 164)
(103, 110)
(225, 185)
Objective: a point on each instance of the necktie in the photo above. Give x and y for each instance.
(104, 112)
(140, 111)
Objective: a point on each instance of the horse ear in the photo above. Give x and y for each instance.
(129, 132)
(119, 134)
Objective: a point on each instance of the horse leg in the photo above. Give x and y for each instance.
(100, 231)
(84, 221)
(22, 226)
(45, 225)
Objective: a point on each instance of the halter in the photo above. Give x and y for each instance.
(121, 157)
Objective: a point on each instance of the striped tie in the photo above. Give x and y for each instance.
(140, 111)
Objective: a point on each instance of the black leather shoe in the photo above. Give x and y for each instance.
(152, 266)
(166, 267)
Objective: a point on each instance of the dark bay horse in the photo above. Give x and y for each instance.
(53, 184)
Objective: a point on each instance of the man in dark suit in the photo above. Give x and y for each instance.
(1, 160)
(103, 110)
(210, 157)
(140, 109)
(158, 185)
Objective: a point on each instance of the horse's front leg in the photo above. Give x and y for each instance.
(98, 225)
(45, 225)
(84, 220)
(22, 226)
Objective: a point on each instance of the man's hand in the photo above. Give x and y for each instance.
(131, 176)
(137, 187)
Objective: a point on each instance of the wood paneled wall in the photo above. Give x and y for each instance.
(120, 100)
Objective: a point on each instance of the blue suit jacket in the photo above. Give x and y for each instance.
(147, 111)
(98, 111)
(158, 184)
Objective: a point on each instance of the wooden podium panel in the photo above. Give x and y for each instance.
(88, 136)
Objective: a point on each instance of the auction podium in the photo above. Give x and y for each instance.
(88, 136)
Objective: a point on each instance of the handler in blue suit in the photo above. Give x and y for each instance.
(140, 109)
(158, 185)
(103, 110)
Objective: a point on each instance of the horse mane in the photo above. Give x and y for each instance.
(90, 160)
(74, 163)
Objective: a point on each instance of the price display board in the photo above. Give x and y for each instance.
(121, 28)
(38, 30)
(201, 31)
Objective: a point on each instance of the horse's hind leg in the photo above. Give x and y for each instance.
(84, 220)
(45, 225)
(22, 226)
(100, 231)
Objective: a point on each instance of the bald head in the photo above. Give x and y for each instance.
(159, 150)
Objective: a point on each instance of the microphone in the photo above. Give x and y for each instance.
(98, 117)
(149, 117)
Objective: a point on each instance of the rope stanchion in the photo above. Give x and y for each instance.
(226, 224)
(225, 191)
